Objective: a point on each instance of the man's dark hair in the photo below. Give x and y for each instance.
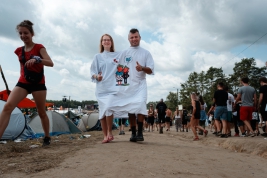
(245, 80)
(263, 79)
(134, 30)
(221, 84)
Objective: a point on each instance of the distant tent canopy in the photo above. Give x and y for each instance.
(25, 103)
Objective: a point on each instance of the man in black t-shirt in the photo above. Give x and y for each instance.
(161, 110)
(263, 102)
(220, 98)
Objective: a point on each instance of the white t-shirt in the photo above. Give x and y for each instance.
(230, 102)
(132, 96)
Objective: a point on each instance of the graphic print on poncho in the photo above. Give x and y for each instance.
(122, 74)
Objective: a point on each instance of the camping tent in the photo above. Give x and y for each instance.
(89, 122)
(58, 125)
(16, 124)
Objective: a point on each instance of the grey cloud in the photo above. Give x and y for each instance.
(12, 13)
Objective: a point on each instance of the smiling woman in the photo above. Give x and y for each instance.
(32, 57)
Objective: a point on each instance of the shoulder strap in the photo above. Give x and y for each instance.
(23, 55)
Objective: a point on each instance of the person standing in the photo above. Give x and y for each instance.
(178, 119)
(196, 116)
(32, 57)
(161, 110)
(230, 105)
(132, 98)
(103, 69)
(185, 119)
(203, 116)
(168, 119)
(150, 118)
(220, 100)
(263, 102)
(121, 123)
(249, 102)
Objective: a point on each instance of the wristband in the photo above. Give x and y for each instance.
(37, 59)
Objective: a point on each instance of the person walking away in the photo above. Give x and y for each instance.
(184, 114)
(150, 118)
(249, 102)
(203, 116)
(161, 110)
(168, 119)
(32, 57)
(121, 124)
(230, 105)
(220, 98)
(262, 106)
(196, 116)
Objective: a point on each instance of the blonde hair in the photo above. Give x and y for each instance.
(112, 48)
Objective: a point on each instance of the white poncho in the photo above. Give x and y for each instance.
(106, 63)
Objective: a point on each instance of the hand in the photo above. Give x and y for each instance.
(139, 68)
(99, 76)
(30, 63)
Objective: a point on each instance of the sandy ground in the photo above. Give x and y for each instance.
(167, 155)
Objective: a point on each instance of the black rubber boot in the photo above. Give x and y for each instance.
(139, 136)
(133, 137)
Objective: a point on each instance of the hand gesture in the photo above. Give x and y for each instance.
(99, 76)
(138, 67)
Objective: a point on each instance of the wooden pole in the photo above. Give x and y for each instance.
(3, 76)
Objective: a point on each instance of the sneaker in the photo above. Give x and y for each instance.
(215, 133)
(243, 134)
(47, 141)
(219, 134)
(223, 136)
(133, 138)
(264, 134)
(236, 135)
(120, 133)
(123, 133)
(139, 138)
(200, 133)
(251, 134)
(229, 134)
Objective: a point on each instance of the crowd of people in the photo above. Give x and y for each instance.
(242, 111)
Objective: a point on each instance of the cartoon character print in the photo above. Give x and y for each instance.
(125, 74)
(119, 74)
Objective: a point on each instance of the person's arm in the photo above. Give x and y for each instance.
(194, 109)
(140, 68)
(255, 100)
(260, 100)
(238, 97)
(45, 60)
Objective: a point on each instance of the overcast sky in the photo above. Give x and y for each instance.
(183, 36)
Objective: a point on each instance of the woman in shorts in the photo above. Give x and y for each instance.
(33, 57)
(196, 116)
